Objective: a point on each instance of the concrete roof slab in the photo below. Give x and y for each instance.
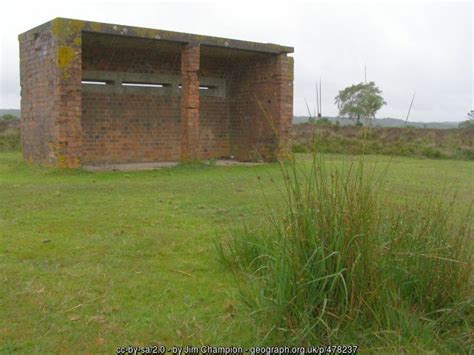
(66, 27)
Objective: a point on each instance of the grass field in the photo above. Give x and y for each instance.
(92, 261)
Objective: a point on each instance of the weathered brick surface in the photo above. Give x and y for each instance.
(190, 140)
(214, 127)
(38, 86)
(133, 124)
(261, 108)
(50, 78)
(245, 111)
(118, 54)
(126, 128)
(68, 93)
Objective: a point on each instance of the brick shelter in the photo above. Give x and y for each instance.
(95, 93)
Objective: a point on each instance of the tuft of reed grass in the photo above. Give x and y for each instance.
(340, 260)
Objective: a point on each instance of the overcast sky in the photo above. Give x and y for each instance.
(425, 47)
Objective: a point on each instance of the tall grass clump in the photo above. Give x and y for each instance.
(340, 262)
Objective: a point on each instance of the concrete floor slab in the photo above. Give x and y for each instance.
(130, 166)
(157, 165)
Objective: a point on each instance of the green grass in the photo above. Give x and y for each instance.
(92, 261)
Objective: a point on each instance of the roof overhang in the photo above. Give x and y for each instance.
(69, 25)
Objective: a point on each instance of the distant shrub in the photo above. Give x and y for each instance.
(8, 117)
(465, 153)
(430, 152)
(467, 124)
(323, 122)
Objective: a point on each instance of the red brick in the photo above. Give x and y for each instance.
(65, 125)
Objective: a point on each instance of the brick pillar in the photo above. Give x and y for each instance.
(68, 127)
(68, 121)
(50, 71)
(190, 147)
(284, 79)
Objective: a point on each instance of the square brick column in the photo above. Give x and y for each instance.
(69, 145)
(263, 108)
(284, 100)
(190, 146)
(50, 76)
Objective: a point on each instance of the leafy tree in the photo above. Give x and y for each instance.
(467, 124)
(360, 100)
(470, 122)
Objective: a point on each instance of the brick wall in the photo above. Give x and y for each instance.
(246, 111)
(256, 113)
(125, 128)
(215, 110)
(261, 107)
(37, 77)
(130, 124)
(112, 53)
(215, 127)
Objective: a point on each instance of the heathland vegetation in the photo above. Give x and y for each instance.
(9, 133)
(324, 137)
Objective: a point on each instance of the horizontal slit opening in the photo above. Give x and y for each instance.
(201, 87)
(95, 82)
(145, 85)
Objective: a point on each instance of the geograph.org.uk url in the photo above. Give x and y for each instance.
(230, 350)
